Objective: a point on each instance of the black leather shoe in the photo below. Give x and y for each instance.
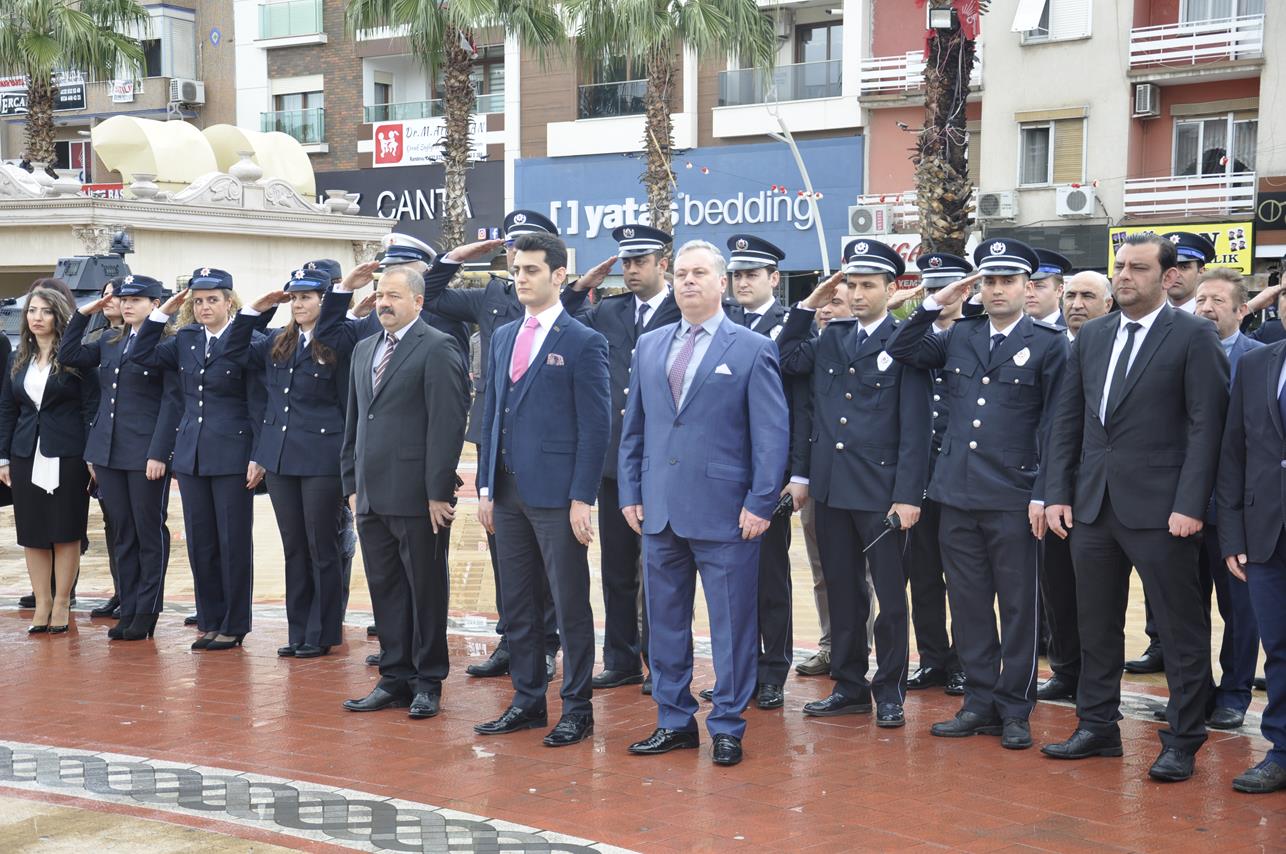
(726, 750)
(376, 700)
(190, 620)
(570, 729)
(513, 720)
(217, 645)
(551, 667)
(117, 631)
(838, 704)
(927, 677)
(107, 608)
(955, 686)
(425, 705)
(1016, 734)
(615, 679)
(1159, 714)
(307, 650)
(889, 715)
(646, 690)
(707, 694)
(770, 697)
(1225, 719)
(28, 601)
(1056, 688)
(1265, 777)
(1173, 766)
(373, 660)
(1152, 661)
(1084, 744)
(371, 631)
(965, 724)
(665, 740)
(1261, 683)
(287, 651)
(496, 665)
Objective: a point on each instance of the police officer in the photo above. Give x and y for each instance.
(130, 446)
(1195, 252)
(869, 421)
(1002, 370)
(222, 412)
(1045, 288)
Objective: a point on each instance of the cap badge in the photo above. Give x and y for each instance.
(627, 232)
(205, 271)
(312, 265)
(299, 274)
(1176, 239)
(935, 261)
(998, 248)
(861, 248)
(520, 218)
(129, 280)
(743, 244)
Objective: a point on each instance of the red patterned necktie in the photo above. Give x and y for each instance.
(680, 366)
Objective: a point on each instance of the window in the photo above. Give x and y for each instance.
(488, 78)
(1202, 11)
(73, 156)
(819, 42)
(151, 57)
(1202, 145)
(1052, 152)
(299, 101)
(1053, 20)
(383, 93)
(1034, 162)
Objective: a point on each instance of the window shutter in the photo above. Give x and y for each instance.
(1069, 19)
(1069, 151)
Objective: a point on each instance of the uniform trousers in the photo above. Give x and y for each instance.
(309, 519)
(776, 639)
(140, 541)
(1058, 589)
(1239, 648)
(929, 591)
(808, 520)
(218, 517)
(1267, 588)
(620, 551)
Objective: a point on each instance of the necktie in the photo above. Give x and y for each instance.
(641, 321)
(522, 349)
(303, 345)
(680, 367)
(383, 365)
(996, 341)
(859, 339)
(1122, 369)
(209, 345)
(751, 319)
(129, 342)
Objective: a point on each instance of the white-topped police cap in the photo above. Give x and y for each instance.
(1004, 256)
(939, 269)
(1050, 264)
(635, 240)
(527, 222)
(863, 256)
(404, 249)
(747, 252)
(134, 285)
(1192, 247)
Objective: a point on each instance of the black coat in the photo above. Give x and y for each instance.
(61, 423)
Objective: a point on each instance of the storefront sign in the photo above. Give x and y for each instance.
(419, 141)
(122, 91)
(67, 97)
(1234, 241)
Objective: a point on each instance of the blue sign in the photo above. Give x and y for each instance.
(720, 191)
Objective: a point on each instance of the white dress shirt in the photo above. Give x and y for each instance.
(1052, 319)
(761, 311)
(1190, 306)
(653, 305)
(44, 470)
(1118, 345)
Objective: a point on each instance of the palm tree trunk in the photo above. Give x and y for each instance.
(943, 191)
(658, 138)
(40, 119)
(458, 103)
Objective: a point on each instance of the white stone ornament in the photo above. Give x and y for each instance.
(883, 361)
(1021, 357)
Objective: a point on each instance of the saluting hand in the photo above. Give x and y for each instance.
(174, 303)
(92, 308)
(270, 300)
(903, 296)
(474, 251)
(360, 276)
(956, 291)
(824, 292)
(594, 276)
(365, 306)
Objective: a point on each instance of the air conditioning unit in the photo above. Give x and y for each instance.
(1147, 101)
(1001, 205)
(1075, 201)
(870, 219)
(784, 25)
(187, 91)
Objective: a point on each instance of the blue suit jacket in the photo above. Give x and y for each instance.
(561, 416)
(1240, 347)
(724, 449)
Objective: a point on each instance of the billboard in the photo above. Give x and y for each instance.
(1234, 241)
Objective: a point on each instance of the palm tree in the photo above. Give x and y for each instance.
(440, 33)
(653, 33)
(41, 37)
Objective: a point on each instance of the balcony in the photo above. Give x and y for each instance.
(805, 81)
(372, 113)
(290, 23)
(904, 74)
(607, 100)
(1224, 40)
(1185, 195)
(307, 126)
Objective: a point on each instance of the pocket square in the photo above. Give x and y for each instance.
(554, 359)
(723, 369)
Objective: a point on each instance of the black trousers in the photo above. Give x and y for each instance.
(990, 557)
(218, 518)
(140, 541)
(534, 543)
(1058, 589)
(308, 518)
(776, 639)
(625, 635)
(109, 534)
(1103, 552)
(406, 572)
(929, 590)
(347, 548)
(841, 537)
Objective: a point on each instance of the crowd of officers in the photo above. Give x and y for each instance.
(952, 452)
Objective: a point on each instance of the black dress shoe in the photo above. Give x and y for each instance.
(496, 665)
(707, 694)
(376, 700)
(1017, 734)
(425, 705)
(513, 720)
(646, 690)
(28, 601)
(371, 631)
(1265, 777)
(1056, 688)
(927, 677)
(955, 686)
(1261, 683)
(287, 651)
(665, 740)
(190, 620)
(142, 627)
(117, 631)
(1173, 765)
(550, 667)
(307, 650)
(615, 679)
(770, 697)
(726, 750)
(570, 729)
(107, 608)
(1152, 661)
(889, 715)
(838, 704)
(373, 660)
(1084, 744)
(232, 640)
(965, 724)
(1159, 714)
(1225, 719)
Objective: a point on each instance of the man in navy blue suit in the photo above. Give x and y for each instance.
(703, 453)
(545, 427)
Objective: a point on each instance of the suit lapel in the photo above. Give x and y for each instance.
(1160, 329)
(666, 313)
(723, 338)
(1275, 410)
(546, 347)
(874, 343)
(1097, 347)
(404, 347)
(981, 341)
(1014, 341)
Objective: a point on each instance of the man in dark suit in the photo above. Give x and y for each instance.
(1138, 495)
(408, 399)
(703, 452)
(1248, 498)
(544, 438)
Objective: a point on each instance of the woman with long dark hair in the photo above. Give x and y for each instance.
(45, 411)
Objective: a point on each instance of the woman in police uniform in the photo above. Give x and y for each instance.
(130, 444)
(222, 410)
(299, 445)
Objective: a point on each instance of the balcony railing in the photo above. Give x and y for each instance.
(307, 126)
(904, 73)
(290, 18)
(601, 100)
(1184, 194)
(1206, 41)
(804, 81)
(492, 103)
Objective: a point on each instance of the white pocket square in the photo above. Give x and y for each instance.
(723, 369)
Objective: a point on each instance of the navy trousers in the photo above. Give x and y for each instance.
(1267, 589)
(140, 542)
(218, 517)
(1239, 649)
(308, 518)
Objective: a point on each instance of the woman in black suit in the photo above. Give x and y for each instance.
(45, 410)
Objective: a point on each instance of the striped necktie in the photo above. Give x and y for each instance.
(383, 365)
